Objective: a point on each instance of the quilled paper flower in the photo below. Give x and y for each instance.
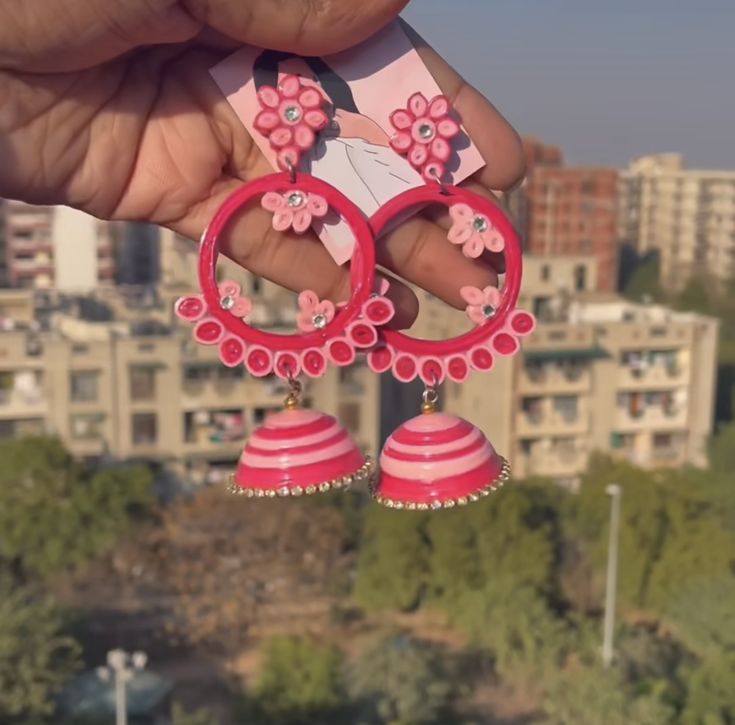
(232, 301)
(423, 132)
(482, 304)
(474, 231)
(290, 118)
(294, 210)
(314, 314)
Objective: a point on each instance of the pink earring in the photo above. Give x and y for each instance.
(438, 460)
(296, 451)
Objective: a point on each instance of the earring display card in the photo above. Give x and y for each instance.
(361, 88)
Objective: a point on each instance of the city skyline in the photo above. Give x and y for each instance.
(642, 78)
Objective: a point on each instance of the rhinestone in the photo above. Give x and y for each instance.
(436, 505)
(349, 480)
(390, 504)
(324, 487)
(319, 321)
(283, 491)
(292, 113)
(485, 492)
(411, 506)
(270, 494)
(474, 497)
(479, 224)
(399, 505)
(259, 493)
(426, 131)
(249, 492)
(422, 507)
(462, 501)
(297, 491)
(227, 303)
(489, 311)
(295, 198)
(310, 489)
(449, 504)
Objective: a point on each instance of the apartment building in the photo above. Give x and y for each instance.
(606, 375)
(688, 216)
(57, 247)
(568, 211)
(108, 390)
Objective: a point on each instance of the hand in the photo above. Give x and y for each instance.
(108, 106)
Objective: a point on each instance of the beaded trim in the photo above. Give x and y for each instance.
(501, 480)
(364, 473)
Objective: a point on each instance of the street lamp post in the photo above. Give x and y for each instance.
(122, 667)
(615, 492)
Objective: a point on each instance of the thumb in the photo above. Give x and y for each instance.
(307, 27)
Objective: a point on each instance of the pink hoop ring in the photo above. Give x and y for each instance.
(433, 360)
(362, 272)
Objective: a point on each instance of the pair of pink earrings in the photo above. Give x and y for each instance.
(433, 461)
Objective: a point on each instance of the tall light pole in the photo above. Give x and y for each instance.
(615, 492)
(122, 667)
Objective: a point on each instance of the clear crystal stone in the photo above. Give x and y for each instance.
(489, 311)
(292, 113)
(319, 321)
(426, 131)
(480, 224)
(436, 505)
(295, 198)
(227, 303)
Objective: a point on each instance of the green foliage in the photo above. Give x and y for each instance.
(53, 515)
(592, 695)
(36, 657)
(392, 564)
(710, 692)
(645, 281)
(180, 716)
(669, 532)
(299, 684)
(402, 682)
(722, 451)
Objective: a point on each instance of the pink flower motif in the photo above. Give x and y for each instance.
(294, 209)
(313, 313)
(474, 231)
(291, 115)
(481, 304)
(231, 300)
(423, 132)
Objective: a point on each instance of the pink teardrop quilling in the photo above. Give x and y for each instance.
(437, 461)
(298, 452)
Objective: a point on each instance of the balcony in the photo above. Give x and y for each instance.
(654, 377)
(553, 463)
(550, 378)
(548, 421)
(22, 395)
(652, 417)
(215, 433)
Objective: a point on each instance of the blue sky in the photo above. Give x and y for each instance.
(606, 79)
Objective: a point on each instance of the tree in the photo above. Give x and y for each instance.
(393, 560)
(402, 682)
(232, 562)
(592, 695)
(645, 280)
(36, 657)
(53, 515)
(299, 684)
(710, 692)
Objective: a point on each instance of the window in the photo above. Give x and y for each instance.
(349, 414)
(87, 426)
(580, 278)
(84, 385)
(142, 382)
(545, 273)
(567, 407)
(79, 349)
(144, 429)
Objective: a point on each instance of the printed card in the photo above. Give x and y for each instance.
(364, 86)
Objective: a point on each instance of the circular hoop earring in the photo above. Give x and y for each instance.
(437, 460)
(296, 451)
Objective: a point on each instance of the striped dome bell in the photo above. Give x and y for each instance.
(297, 452)
(437, 461)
